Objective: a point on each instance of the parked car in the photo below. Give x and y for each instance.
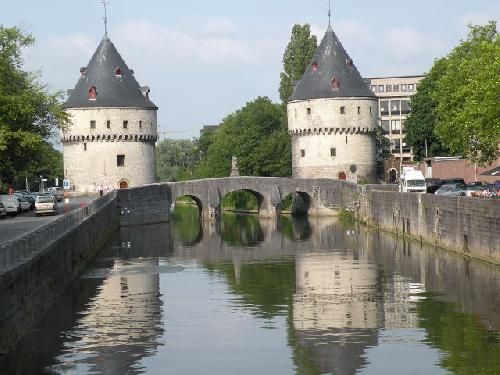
(451, 190)
(11, 204)
(3, 211)
(432, 184)
(24, 205)
(45, 204)
(58, 192)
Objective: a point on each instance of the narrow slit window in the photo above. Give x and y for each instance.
(302, 153)
(140, 124)
(125, 124)
(342, 110)
(92, 124)
(84, 147)
(108, 124)
(359, 110)
(309, 111)
(333, 152)
(120, 160)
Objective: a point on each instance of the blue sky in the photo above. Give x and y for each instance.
(205, 59)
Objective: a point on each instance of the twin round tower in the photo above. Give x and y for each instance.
(332, 118)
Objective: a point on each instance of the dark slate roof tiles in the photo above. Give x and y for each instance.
(331, 74)
(114, 88)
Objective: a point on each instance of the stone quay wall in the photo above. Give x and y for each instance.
(464, 225)
(36, 269)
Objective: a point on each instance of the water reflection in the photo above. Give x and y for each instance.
(246, 296)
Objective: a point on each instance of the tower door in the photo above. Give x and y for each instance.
(123, 185)
(342, 176)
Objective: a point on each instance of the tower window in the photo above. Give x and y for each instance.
(333, 152)
(120, 160)
(308, 111)
(342, 110)
(84, 147)
(140, 124)
(346, 139)
(125, 124)
(359, 110)
(108, 124)
(118, 72)
(335, 83)
(302, 153)
(370, 110)
(92, 124)
(93, 93)
(315, 65)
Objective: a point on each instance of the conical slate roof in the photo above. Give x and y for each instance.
(331, 74)
(114, 82)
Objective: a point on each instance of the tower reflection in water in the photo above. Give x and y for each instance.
(121, 324)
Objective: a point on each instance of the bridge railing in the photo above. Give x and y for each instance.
(17, 251)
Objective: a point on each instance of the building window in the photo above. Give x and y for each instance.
(108, 124)
(404, 87)
(385, 126)
(359, 110)
(302, 153)
(120, 160)
(84, 147)
(388, 88)
(395, 88)
(140, 124)
(333, 152)
(342, 110)
(374, 88)
(125, 124)
(411, 87)
(308, 111)
(315, 65)
(395, 125)
(92, 124)
(370, 110)
(380, 88)
(384, 107)
(405, 107)
(118, 72)
(93, 93)
(395, 107)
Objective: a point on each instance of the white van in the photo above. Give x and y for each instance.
(412, 181)
(11, 204)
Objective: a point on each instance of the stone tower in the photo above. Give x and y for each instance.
(332, 118)
(113, 131)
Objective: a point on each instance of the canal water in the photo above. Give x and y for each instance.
(292, 296)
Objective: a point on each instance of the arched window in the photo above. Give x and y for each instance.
(93, 93)
(335, 83)
(118, 72)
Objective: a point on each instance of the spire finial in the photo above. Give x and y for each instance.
(105, 3)
(329, 13)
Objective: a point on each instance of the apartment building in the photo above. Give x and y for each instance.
(394, 95)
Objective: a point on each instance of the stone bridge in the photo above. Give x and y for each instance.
(151, 203)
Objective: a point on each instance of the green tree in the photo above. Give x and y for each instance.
(297, 56)
(422, 120)
(256, 135)
(176, 159)
(29, 115)
(468, 93)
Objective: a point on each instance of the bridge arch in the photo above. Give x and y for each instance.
(194, 198)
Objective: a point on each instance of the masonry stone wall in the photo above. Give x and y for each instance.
(461, 224)
(346, 125)
(36, 268)
(91, 151)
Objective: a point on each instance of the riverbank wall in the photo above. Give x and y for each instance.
(470, 226)
(36, 269)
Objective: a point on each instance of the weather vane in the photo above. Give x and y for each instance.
(104, 3)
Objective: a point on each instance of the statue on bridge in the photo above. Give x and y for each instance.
(234, 167)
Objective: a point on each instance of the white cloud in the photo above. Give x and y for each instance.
(173, 46)
(406, 44)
